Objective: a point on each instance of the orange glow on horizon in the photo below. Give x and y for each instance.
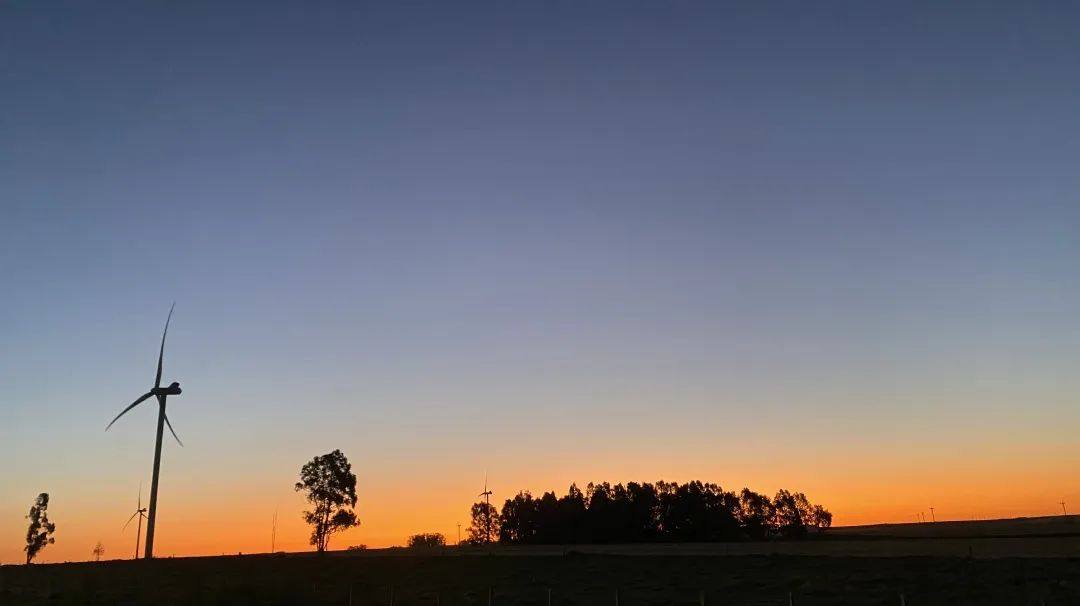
(194, 526)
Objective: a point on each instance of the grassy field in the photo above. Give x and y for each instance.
(858, 565)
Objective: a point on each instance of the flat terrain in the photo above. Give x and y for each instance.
(1053, 526)
(1012, 562)
(572, 579)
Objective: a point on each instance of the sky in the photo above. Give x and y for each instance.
(830, 247)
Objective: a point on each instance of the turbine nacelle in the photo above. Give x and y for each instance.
(172, 390)
(160, 392)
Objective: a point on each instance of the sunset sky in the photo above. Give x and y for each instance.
(830, 247)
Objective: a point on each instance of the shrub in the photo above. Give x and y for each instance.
(427, 539)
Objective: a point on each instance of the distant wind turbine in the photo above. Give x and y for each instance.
(1063, 510)
(487, 510)
(161, 393)
(140, 512)
(273, 534)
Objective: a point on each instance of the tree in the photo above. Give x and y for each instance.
(635, 513)
(755, 515)
(822, 518)
(427, 539)
(330, 485)
(697, 511)
(39, 534)
(572, 511)
(788, 519)
(485, 524)
(99, 550)
(518, 520)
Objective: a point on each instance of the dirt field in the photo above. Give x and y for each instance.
(1013, 562)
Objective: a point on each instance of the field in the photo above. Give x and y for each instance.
(1012, 562)
(1053, 526)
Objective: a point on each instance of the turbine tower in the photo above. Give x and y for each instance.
(487, 510)
(140, 512)
(162, 393)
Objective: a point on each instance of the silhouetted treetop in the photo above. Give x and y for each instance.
(662, 511)
(427, 539)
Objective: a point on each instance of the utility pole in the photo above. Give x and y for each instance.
(932, 518)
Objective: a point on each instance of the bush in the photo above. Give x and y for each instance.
(427, 539)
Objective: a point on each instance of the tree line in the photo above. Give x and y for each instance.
(632, 513)
(647, 512)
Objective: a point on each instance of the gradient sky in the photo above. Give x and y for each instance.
(824, 246)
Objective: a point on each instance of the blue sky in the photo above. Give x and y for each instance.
(632, 235)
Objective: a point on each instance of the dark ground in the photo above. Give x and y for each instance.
(574, 578)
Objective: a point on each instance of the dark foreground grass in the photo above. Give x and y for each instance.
(574, 578)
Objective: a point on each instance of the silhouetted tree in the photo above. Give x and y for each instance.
(519, 519)
(549, 525)
(822, 518)
(696, 511)
(813, 516)
(99, 550)
(642, 511)
(331, 488)
(787, 516)
(755, 515)
(634, 513)
(39, 534)
(427, 539)
(485, 524)
(572, 510)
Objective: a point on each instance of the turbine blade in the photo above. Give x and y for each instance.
(133, 405)
(161, 353)
(172, 431)
(129, 521)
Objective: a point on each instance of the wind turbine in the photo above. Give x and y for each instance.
(487, 510)
(273, 534)
(161, 393)
(140, 512)
(1063, 510)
